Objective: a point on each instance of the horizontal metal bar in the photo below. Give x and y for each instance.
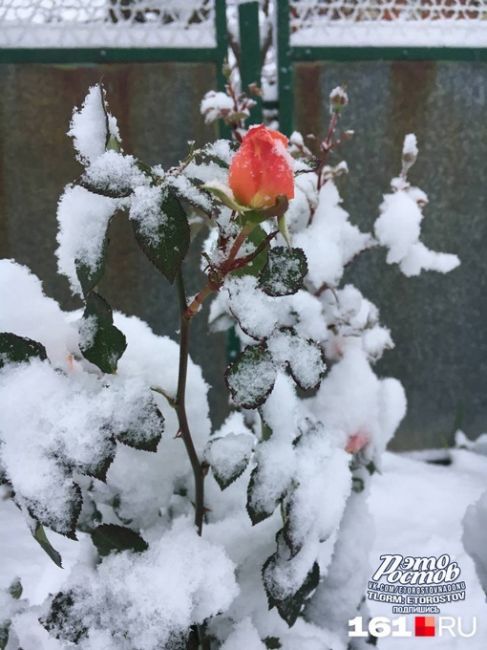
(108, 55)
(387, 54)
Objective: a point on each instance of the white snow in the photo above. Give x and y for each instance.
(89, 126)
(411, 516)
(142, 600)
(83, 219)
(331, 241)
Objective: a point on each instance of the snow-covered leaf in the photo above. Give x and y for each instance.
(303, 357)
(18, 349)
(49, 514)
(147, 430)
(228, 457)
(289, 607)
(100, 341)
(110, 538)
(165, 245)
(251, 376)
(284, 272)
(62, 620)
(90, 275)
(256, 513)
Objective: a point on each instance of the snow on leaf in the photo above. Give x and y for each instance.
(145, 600)
(291, 606)
(18, 349)
(303, 357)
(146, 430)
(161, 229)
(89, 126)
(284, 272)
(251, 377)
(106, 343)
(114, 175)
(228, 456)
(83, 219)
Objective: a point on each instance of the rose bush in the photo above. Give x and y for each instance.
(237, 538)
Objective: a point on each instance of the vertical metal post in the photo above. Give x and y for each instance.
(284, 68)
(250, 58)
(221, 40)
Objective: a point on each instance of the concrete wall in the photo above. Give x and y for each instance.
(158, 110)
(438, 321)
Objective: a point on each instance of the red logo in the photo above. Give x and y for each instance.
(424, 626)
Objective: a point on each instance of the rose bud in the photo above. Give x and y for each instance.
(357, 442)
(338, 99)
(261, 170)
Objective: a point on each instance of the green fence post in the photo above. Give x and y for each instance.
(250, 62)
(221, 40)
(284, 69)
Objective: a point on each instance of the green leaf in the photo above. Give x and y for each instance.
(146, 437)
(228, 457)
(289, 608)
(256, 513)
(62, 620)
(224, 195)
(110, 538)
(15, 589)
(100, 467)
(88, 277)
(4, 634)
(102, 343)
(251, 376)
(256, 237)
(19, 349)
(284, 272)
(167, 247)
(272, 643)
(39, 535)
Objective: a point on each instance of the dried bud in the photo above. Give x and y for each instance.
(338, 99)
(255, 90)
(409, 150)
(226, 70)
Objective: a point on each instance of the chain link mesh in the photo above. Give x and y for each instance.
(107, 23)
(461, 23)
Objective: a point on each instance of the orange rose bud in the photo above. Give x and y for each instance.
(261, 170)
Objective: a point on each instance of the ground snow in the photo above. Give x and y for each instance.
(417, 508)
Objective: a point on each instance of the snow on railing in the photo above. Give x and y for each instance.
(107, 23)
(420, 23)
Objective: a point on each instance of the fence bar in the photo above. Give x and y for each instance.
(250, 61)
(284, 69)
(106, 55)
(315, 54)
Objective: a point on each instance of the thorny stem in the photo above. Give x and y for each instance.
(213, 285)
(199, 469)
(327, 145)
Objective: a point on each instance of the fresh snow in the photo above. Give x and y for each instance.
(417, 510)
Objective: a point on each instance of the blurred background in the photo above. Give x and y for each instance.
(409, 67)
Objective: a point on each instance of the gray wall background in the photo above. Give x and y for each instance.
(157, 106)
(438, 322)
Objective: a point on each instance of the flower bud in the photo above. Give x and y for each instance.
(261, 170)
(338, 99)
